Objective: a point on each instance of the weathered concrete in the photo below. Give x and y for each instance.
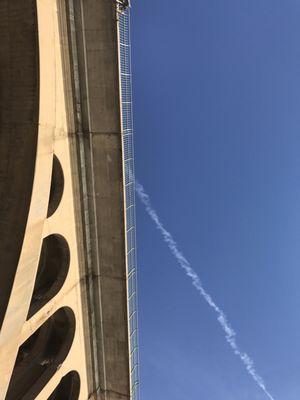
(96, 30)
(66, 105)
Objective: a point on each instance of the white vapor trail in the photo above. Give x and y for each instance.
(230, 334)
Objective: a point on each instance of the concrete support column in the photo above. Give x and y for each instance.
(99, 131)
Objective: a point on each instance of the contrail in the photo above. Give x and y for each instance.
(230, 334)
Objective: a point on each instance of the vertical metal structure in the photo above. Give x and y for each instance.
(129, 192)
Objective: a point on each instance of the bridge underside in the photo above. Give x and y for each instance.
(63, 303)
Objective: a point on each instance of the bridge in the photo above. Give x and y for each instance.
(68, 313)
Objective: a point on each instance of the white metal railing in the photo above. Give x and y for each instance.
(123, 15)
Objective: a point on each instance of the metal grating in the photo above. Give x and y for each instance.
(129, 182)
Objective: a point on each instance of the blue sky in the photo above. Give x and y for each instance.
(217, 141)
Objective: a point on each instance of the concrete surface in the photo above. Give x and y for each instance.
(56, 100)
(96, 36)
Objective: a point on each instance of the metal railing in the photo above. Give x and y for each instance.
(129, 192)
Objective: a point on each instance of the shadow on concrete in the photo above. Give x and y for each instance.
(68, 388)
(41, 355)
(57, 186)
(19, 115)
(52, 271)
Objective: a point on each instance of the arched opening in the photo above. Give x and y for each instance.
(57, 186)
(52, 271)
(41, 355)
(68, 388)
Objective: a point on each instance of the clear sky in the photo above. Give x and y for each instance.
(217, 141)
